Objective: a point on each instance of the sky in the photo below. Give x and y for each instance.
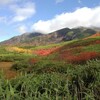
(22, 16)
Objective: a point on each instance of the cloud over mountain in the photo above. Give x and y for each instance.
(22, 29)
(80, 17)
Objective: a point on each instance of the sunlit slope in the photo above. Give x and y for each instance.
(79, 51)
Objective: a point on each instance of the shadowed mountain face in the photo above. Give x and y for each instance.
(36, 39)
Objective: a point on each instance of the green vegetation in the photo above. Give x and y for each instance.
(95, 48)
(14, 57)
(47, 46)
(72, 72)
(74, 82)
(70, 33)
(6, 55)
(85, 42)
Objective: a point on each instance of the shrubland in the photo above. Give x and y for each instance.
(70, 72)
(68, 82)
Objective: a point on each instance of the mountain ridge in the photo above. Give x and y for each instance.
(36, 38)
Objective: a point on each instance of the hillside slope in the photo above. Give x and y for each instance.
(36, 39)
(94, 35)
(79, 51)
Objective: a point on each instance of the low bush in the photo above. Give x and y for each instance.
(20, 65)
(83, 57)
(50, 66)
(80, 82)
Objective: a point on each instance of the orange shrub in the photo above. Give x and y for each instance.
(44, 52)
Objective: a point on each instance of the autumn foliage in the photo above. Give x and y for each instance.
(19, 50)
(44, 52)
(95, 35)
(82, 57)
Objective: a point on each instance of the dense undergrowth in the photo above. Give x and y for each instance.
(63, 82)
(71, 72)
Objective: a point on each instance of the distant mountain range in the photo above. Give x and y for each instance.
(36, 38)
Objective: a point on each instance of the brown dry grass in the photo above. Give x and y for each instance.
(8, 73)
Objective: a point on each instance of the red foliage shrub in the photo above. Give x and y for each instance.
(82, 57)
(97, 42)
(44, 52)
(32, 61)
(66, 54)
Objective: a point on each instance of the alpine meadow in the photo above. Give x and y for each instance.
(50, 50)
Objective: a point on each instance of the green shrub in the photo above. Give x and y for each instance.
(77, 82)
(50, 66)
(20, 65)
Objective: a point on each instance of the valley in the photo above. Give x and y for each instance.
(68, 70)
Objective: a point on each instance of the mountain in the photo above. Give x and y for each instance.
(36, 39)
(96, 28)
(21, 38)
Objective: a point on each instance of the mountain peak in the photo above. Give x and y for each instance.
(36, 38)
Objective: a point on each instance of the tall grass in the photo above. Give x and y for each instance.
(79, 82)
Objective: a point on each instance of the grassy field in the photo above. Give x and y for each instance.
(69, 72)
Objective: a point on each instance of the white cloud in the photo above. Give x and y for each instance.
(81, 17)
(59, 1)
(22, 29)
(5, 2)
(24, 12)
(9, 2)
